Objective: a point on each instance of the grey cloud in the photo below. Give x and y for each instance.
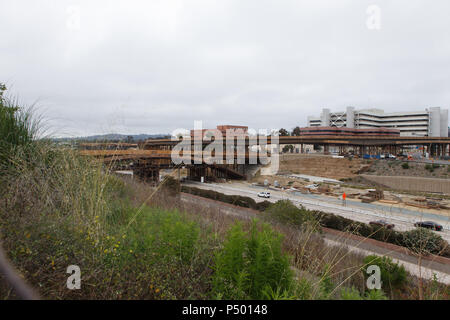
(153, 66)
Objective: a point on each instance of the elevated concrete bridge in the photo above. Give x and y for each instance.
(436, 146)
(147, 158)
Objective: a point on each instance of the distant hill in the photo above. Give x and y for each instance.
(116, 137)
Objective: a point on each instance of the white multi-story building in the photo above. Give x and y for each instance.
(432, 122)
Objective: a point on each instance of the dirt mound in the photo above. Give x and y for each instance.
(412, 169)
(322, 166)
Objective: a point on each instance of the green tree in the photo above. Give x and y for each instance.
(393, 275)
(296, 131)
(283, 132)
(285, 212)
(423, 241)
(288, 148)
(251, 265)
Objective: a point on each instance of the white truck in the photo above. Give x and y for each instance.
(264, 194)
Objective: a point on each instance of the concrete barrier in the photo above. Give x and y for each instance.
(412, 183)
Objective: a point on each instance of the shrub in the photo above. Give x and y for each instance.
(405, 165)
(333, 221)
(424, 241)
(251, 264)
(288, 148)
(350, 294)
(353, 294)
(19, 127)
(285, 212)
(170, 235)
(262, 206)
(375, 295)
(393, 275)
(241, 201)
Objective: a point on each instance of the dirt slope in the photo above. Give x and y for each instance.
(322, 166)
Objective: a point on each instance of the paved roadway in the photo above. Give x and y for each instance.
(402, 218)
(428, 269)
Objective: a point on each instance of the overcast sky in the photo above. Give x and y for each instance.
(153, 66)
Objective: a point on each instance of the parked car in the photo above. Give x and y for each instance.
(429, 225)
(382, 223)
(264, 194)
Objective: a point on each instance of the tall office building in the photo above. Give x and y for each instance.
(432, 122)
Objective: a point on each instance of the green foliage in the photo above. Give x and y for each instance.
(424, 241)
(375, 295)
(350, 294)
(296, 131)
(303, 289)
(393, 275)
(18, 128)
(241, 201)
(2, 90)
(262, 206)
(431, 167)
(168, 234)
(251, 265)
(378, 233)
(285, 212)
(435, 290)
(405, 165)
(270, 294)
(326, 284)
(288, 148)
(353, 294)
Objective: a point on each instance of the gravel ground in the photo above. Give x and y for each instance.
(416, 169)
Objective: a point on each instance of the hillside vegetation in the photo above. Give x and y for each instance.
(132, 241)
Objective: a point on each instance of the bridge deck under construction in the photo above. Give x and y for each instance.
(147, 158)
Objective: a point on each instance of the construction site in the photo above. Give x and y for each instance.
(354, 170)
